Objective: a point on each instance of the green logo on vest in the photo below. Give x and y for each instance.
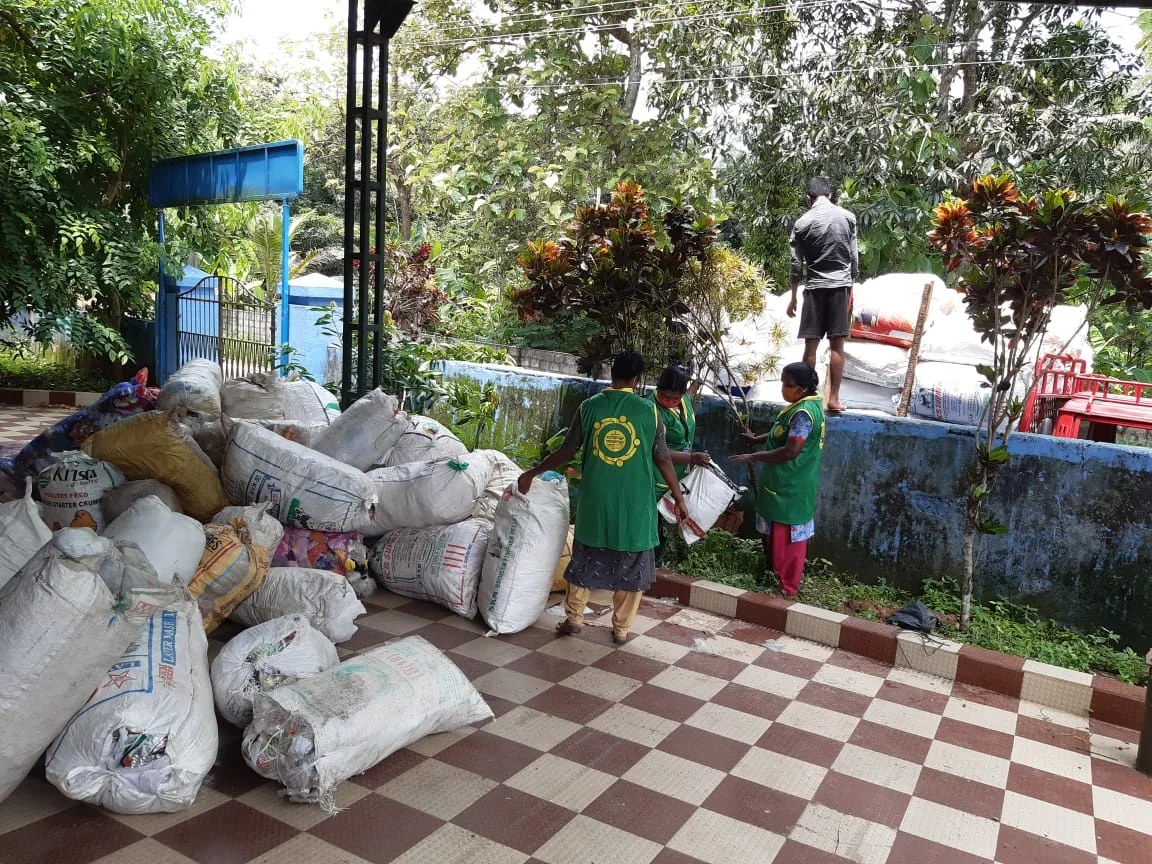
(614, 440)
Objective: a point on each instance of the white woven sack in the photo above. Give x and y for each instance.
(869, 397)
(505, 472)
(22, 533)
(309, 404)
(950, 392)
(318, 732)
(708, 492)
(72, 491)
(146, 738)
(261, 658)
(117, 501)
(64, 619)
(195, 387)
(174, 543)
(524, 547)
(324, 598)
(365, 434)
(424, 494)
(875, 363)
(440, 565)
(258, 396)
(263, 529)
(304, 488)
(423, 440)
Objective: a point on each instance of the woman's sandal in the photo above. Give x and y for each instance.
(621, 640)
(566, 628)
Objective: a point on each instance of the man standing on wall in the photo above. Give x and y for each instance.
(826, 259)
(624, 445)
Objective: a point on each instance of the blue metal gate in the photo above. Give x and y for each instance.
(221, 320)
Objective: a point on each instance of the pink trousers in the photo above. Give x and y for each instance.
(787, 558)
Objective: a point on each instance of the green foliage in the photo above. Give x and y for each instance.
(472, 405)
(286, 361)
(621, 266)
(30, 371)
(93, 94)
(719, 557)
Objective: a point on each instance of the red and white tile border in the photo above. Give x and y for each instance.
(37, 398)
(1074, 692)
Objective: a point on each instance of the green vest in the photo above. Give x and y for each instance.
(787, 492)
(680, 432)
(617, 510)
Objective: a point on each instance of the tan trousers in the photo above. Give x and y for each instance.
(625, 605)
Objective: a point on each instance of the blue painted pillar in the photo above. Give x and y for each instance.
(161, 313)
(285, 255)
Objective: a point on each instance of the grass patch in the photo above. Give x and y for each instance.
(999, 625)
(39, 373)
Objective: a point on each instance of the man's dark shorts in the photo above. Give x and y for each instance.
(826, 312)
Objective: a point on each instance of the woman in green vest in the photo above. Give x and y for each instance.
(624, 446)
(674, 405)
(789, 476)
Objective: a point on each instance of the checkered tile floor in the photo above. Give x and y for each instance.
(695, 742)
(19, 425)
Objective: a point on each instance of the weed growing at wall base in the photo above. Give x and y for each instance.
(998, 625)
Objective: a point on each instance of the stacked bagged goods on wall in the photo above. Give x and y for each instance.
(264, 657)
(326, 599)
(423, 494)
(146, 738)
(22, 533)
(155, 446)
(64, 619)
(441, 565)
(304, 488)
(317, 732)
(72, 491)
(886, 308)
(524, 546)
(365, 434)
(173, 543)
(759, 346)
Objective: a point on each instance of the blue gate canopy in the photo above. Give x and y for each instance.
(260, 173)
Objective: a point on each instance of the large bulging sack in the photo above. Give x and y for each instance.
(505, 472)
(118, 500)
(365, 434)
(950, 392)
(194, 387)
(524, 547)
(950, 336)
(326, 599)
(265, 396)
(759, 346)
(146, 738)
(342, 553)
(424, 494)
(708, 492)
(440, 565)
(875, 363)
(231, 569)
(154, 446)
(886, 308)
(64, 619)
(22, 533)
(264, 657)
(869, 397)
(262, 528)
(318, 732)
(172, 542)
(424, 439)
(72, 491)
(305, 489)
(1067, 334)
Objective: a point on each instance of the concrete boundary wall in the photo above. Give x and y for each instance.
(1079, 546)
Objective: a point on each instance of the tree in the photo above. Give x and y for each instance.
(94, 92)
(1018, 257)
(620, 266)
(905, 103)
(267, 247)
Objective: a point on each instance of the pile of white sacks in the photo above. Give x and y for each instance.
(947, 385)
(256, 502)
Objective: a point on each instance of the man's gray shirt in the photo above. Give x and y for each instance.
(823, 247)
